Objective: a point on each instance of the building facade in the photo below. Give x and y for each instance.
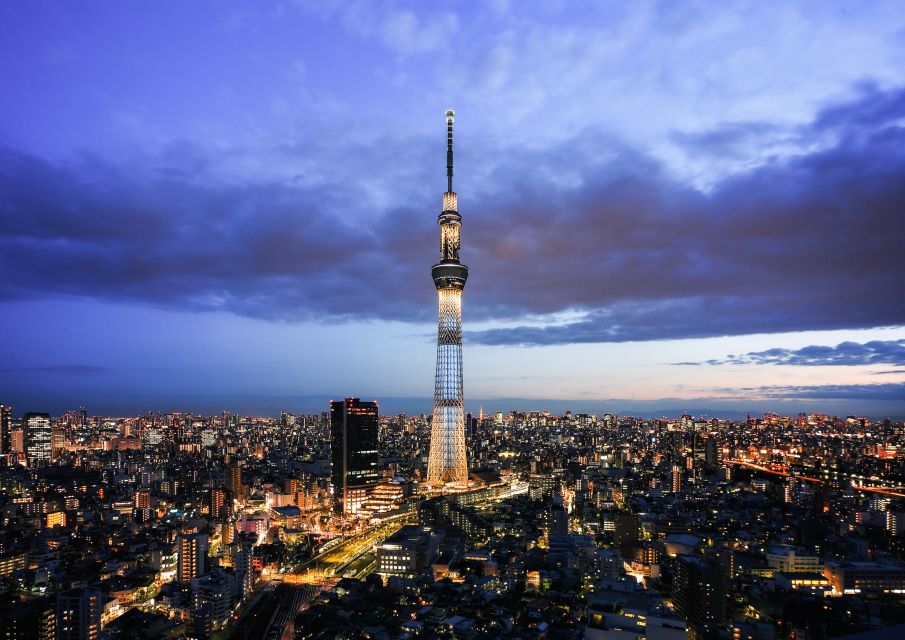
(38, 439)
(6, 424)
(407, 552)
(353, 449)
(192, 553)
(699, 594)
(79, 614)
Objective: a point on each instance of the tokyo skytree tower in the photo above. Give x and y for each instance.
(447, 463)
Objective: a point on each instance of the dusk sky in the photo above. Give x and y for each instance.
(666, 206)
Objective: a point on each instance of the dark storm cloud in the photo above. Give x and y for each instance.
(274, 251)
(731, 140)
(889, 352)
(808, 242)
(876, 106)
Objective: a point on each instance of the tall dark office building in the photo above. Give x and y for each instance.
(6, 423)
(627, 529)
(353, 447)
(712, 453)
(699, 593)
(38, 438)
(33, 619)
(79, 614)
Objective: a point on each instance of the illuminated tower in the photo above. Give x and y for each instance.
(447, 463)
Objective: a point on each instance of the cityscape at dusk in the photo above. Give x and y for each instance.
(397, 320)
(230, 200)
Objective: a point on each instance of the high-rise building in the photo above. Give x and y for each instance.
(353, 448)
(6, 423)
(217, 505)
(212, 595)
(57, 441)
(227, 532)
(447, 463)
(676, 479)
(55, 519)
(626, 529)
(543, 486)
(699, 593)
(557, 523)
(141, 499)
(192, 552)
(79, 614)
(33, 619)
(141, 506)
(242, 563)
(236, 489)
(17, 441)
(712, 453)
(38, 438)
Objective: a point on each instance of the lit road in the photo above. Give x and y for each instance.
(354, 557)
(337, 560)
(784, 474)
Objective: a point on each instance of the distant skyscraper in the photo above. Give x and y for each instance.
(6, 423)
(38, 438)
(712, 453)
(57, 441)
(447, 463)
(353, 448)
(79, 614)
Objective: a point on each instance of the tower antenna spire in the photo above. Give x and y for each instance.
(450, 118)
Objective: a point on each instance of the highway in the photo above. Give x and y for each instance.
(889, 491)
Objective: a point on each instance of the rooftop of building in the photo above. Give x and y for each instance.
(409, 537)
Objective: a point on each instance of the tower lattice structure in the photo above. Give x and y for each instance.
(447, 463)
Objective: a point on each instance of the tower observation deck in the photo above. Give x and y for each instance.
(447, 463)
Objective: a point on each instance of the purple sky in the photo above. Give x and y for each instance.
(666, 205)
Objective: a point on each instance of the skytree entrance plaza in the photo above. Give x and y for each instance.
(447, 464)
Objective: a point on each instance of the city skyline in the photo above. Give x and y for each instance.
(672, 405)
(670, 207)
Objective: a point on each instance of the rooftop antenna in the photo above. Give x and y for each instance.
(450, 118)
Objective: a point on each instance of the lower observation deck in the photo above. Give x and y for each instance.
(449, 275)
